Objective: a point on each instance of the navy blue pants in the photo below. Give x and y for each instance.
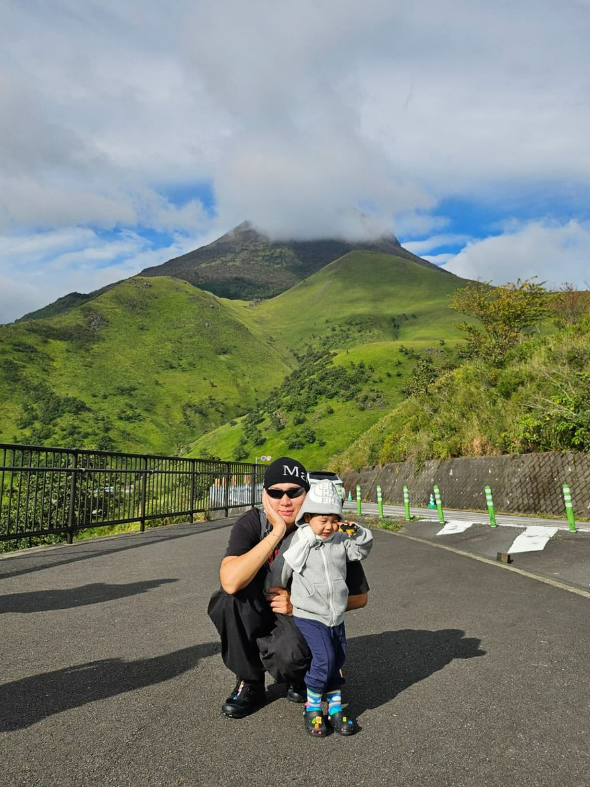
(328, 653)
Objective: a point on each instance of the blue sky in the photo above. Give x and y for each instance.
(130, 135)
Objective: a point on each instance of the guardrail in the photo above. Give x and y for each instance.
(57, 491)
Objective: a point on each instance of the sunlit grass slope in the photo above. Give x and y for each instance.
(335, 422)
(146, 366)
(358, 299)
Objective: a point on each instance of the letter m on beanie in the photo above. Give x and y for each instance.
(294, 471)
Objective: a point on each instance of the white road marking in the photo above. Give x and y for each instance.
(454, 526)
(534, 539)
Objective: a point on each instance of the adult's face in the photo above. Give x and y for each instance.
(287, 507)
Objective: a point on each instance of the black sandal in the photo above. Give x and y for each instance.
(314, 724)
(342, 724)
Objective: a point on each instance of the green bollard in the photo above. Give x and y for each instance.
(407, 503)
(441, 516)
(380, 502)
(490, 505)
(569, 508)
(358, 499)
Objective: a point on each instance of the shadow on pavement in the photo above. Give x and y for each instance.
(96, 593)
(27, 701)
(85, 550)
(381, 666)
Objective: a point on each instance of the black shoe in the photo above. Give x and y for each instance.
(314, 724)
(296, 692)
(245, 698)
(342, 724)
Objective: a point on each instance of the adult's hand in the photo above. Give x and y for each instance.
(279, 526)
(280, 601)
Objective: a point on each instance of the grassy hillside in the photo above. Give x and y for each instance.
(318, 421)
(357, 327)
(143, 367)
(538, 401)
(361, 298)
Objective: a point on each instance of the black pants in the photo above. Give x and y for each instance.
(254, 639)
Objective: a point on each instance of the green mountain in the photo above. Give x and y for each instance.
(246, 265)
(357, 328)
(145, 366)
(157, 365)
(243, 264)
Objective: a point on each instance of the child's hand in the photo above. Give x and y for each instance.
(350, 528)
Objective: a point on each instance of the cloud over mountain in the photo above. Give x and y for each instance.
(309, 119)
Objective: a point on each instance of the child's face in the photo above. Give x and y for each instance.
(323, 525)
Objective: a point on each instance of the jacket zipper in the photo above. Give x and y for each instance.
(330, 588)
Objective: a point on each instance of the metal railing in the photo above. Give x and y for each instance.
(46, 492)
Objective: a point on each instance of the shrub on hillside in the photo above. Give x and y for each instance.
(539, 400)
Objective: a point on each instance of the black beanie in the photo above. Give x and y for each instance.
(286, 471)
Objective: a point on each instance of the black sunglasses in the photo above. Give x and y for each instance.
(296, 491)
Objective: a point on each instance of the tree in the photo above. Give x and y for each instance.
(570, 304)
(505, 315)
(424, 374)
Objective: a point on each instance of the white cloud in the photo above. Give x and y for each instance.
(384, 104)
(555, 253)
(438, 259)
(34, 271)
(420, 247)
(308, 118)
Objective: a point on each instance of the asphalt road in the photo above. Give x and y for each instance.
(506, 520)
(461, 673)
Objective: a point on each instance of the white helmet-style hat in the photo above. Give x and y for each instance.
(322, 498)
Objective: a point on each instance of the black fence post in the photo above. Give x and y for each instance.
(192, 493)
(72, 508)
(253, 486)
(143, 494)
(226, 495)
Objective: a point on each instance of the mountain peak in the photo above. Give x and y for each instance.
(246, 264)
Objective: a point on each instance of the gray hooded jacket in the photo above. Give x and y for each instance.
(317, 567)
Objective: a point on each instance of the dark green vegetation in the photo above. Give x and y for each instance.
(143, 367)
(246, 265)
(535, 396)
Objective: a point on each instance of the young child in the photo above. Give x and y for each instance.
(315, 562)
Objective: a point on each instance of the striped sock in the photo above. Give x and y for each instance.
(314, 701)
(334, 701)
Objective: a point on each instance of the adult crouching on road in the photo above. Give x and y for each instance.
(256, 629)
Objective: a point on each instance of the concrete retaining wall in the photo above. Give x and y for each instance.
(528, 483)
